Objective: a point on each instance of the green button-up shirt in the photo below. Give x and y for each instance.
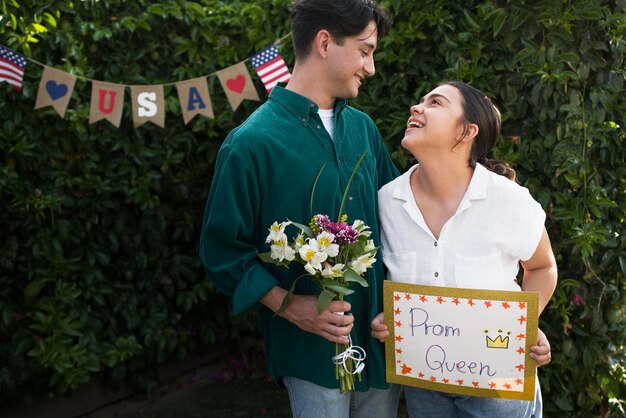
(265, 172)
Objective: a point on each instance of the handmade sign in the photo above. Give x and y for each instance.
(463, 341)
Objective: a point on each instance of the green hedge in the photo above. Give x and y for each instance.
(100, 225)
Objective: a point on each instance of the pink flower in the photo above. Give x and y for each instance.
(578, 300)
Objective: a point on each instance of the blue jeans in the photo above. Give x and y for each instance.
(309, 400)
(425, 403)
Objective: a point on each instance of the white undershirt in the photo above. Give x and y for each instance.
(328, 119)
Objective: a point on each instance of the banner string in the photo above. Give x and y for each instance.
(278, 42)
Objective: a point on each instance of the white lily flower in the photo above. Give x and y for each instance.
(370, 245)
(281, 250)
(359, 225)
(325, 243)
(334, 271)
(311, 254)
(299, 241)
(361, 264)
(277, 230)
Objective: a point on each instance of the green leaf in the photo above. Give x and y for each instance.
(352, 276)
(336, 287)
(324, 300)
(307, 231)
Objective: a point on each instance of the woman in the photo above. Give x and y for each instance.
(457, 219)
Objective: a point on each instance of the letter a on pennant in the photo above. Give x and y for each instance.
(107, 102)
(194, 98)
(148, 105)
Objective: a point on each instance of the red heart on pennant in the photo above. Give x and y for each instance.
(236, 84)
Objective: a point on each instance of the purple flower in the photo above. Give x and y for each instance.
(322, 221)
(344, 233)
(578, 300)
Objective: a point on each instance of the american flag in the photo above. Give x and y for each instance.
(270, 66)
(12, 67)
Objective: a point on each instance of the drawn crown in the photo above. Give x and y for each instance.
(498, 342)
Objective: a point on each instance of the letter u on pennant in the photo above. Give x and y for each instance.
(110, 109)
(102, 94)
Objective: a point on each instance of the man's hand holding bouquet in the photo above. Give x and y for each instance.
(334, 255)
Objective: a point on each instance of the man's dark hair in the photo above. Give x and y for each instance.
(341, 18)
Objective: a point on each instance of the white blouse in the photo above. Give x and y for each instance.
(496, 225)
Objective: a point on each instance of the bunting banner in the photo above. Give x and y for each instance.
(148, 105)
(194, 99)
(237, 84)
(107, 102)
(148, 102)
(55, 89)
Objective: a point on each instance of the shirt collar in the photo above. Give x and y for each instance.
(299, 106)
(476, 190)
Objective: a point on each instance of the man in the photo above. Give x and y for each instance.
(265, 172)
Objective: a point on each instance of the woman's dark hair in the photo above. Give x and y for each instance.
(478, 109)
(341, 18)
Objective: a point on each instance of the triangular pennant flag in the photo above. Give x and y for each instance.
(12, 66)
(148, 105)
(107, 102)
(270, 67)
(237, 84)
(55, 89)
(194, 98)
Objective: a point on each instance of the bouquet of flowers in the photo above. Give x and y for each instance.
(334, 255)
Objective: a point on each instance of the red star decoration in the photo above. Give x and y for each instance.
(521, 350)
(423, 298)
(396, 297)
(398, 323)
(521, 336)
(399, 350)
(399, 338)
(440, 300)
(522, 319)
(407, 296)
(488, 304)
(433, 379)
(470, 302)
(475, 384)
(446, 381)
(519, 381)
(522, 305)
(397, 311)
(460, 381)
(406, 369)
(492, 385)
(506, 305)
(456, 301)
(421, 374)
(506, 385)
(520, 367)
(399, 361)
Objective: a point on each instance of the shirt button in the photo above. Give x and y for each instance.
(312, 105)
(436, 274)
(318, 126)
(436, 244)
(303, 120)
(349, 197)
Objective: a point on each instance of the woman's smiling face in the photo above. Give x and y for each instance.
(437, 121)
